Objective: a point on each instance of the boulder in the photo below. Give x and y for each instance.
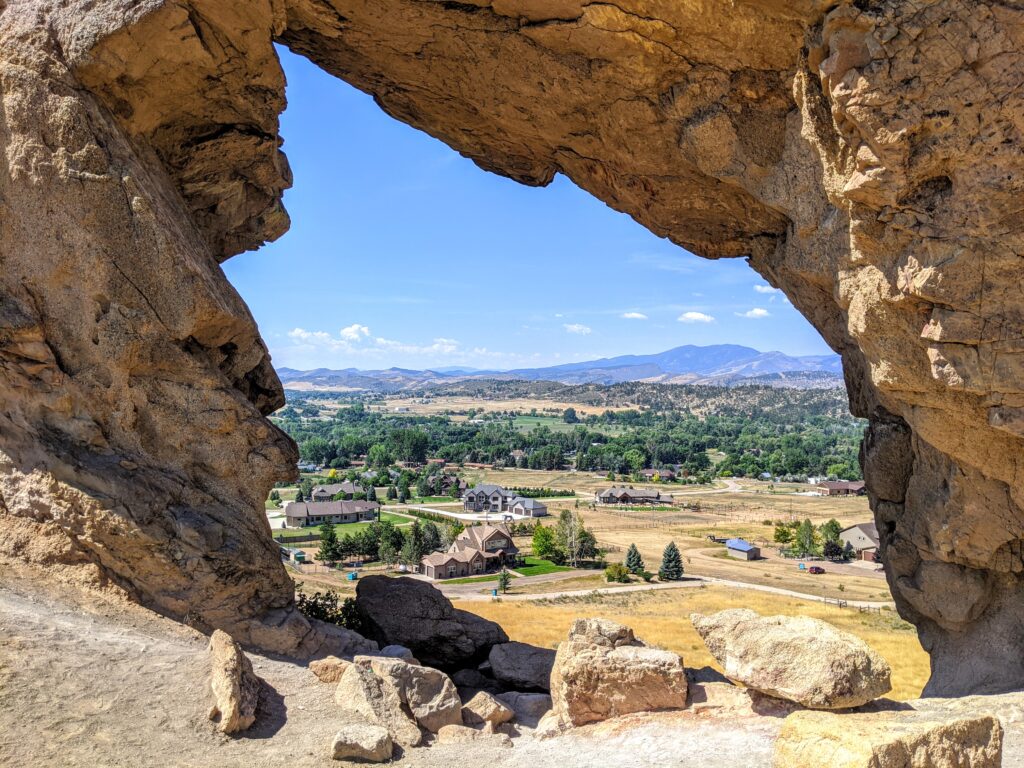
(795, 658)
(900, 739)
(328, 669)
(361, 740)
(360, 690)
(528, 707)
(485, 709)
(412, 613)
(398, 652)
(522, 666)
(428, 694)
(603, 671)
(459, 734)
(236, 688)
(472, 680)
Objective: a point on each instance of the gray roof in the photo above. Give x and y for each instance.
(528, 503)
(307, 509)
(487, 488)
(346, 486)
(634, 492)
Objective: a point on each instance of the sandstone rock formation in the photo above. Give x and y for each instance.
(235, 687)
(603, 671)
(414, 614)
(794, 658)
(863, 156)
(888, 740)
(360, 740)
(522, 666)
(485, 709)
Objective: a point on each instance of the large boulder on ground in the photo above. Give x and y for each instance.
(236, 688)
(485, 709)
(795, 658)
(522, 666)
(399, 696)
(328, 669)
(358, 739)
(900, 739)
(603, 671)
(413, 613)
(529, 707)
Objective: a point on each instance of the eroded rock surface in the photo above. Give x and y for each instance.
(796, 658)
(864, 156)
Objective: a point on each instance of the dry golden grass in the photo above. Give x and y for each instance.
(662, 618)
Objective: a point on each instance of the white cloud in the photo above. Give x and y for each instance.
(765, 289)
(755, 314)
(695, 317)
(633, 316)
(355, 332)
(577, 328)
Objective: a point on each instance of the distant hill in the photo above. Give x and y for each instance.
(720, 364)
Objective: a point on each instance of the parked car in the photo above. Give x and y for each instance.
(815, 569)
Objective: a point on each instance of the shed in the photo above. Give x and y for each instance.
(742, 550)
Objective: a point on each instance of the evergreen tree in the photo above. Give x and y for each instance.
(455, 493)
(431, 537)
(806, 538)
(328, 552)
(671, 564)
(410, 554)
(392, 493)
(504, 580)
(634, 563)
(387, 553)
(402, 496)
(371, 493)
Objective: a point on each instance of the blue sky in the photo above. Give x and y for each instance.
(403, 253)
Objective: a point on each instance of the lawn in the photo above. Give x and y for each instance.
(475, 579)
(341, 528)
(535, 566)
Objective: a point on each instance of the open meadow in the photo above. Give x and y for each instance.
(662, 618)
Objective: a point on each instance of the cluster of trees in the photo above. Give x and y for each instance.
(671, 566)
(783, 441)
(385, 542)
(569, 542)
(803, 539)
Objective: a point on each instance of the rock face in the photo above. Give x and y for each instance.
(603, 671)
(358, 740)
(888, 740)
(798, 659)
(414, 614)
(235, 687)
(521, 666)
(399, 696)
(865, 158)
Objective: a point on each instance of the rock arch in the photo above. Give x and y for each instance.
(864, 156)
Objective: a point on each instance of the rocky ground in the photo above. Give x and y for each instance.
(97, 682)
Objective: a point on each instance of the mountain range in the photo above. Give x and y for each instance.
(720, 364)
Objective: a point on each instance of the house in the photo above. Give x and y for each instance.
(741, 549)
(308, 466)
(299, 514)
(447, 481)
(329, 491)
(632, 496)
(841, 488)
(527, 507)
(862, 539)
(486, 497)
(658, 474)
(478, 549)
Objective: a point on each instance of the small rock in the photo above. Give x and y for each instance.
(522, 666)
(603, 671)
(362, 741)
(888, 740)
(236, 689)
(794, 658)
(459, 734)
(485, 709)
(328, 669)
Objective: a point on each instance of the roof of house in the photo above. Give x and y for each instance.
(635, 492)
(527, 503)
(842, 485)
(740, 545)
(869, 530)
(487, 488)
(474, 537)
(346, 486)
(307, 509)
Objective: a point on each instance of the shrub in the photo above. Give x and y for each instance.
(324, 606)
(617, 572)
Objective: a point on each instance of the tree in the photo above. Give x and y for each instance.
(569, 416)
(543, 542)
(634, 459)
(379, 456)
(371, 493)
(328, 551)
(832, 550)
(504, 580)
(451, 533)
(410, 554)
(431, 537)
(617, 572)
(830, 530)
(634, 563)
(392, 493)
(403, 495)
(275, 497)
(454, 492)
(671, 564)
(806, 538)
(783, 534)
(387, 553)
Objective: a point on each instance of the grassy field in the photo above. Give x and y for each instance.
(662, 618)
(342, 528)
